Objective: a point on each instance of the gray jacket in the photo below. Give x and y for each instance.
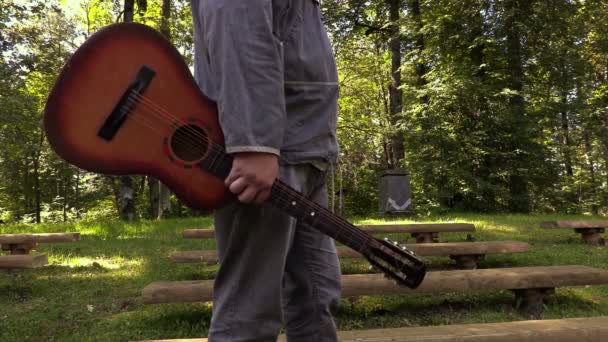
(269, 66)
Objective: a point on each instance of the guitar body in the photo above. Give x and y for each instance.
(150, 140)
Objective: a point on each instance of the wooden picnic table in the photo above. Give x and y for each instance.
(24, 243)
(19, 247)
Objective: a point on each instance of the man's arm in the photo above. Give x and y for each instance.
(246, 60)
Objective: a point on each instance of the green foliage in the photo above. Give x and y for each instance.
(504, 104)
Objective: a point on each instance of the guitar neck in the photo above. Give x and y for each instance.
(298, 206)
(308, 212)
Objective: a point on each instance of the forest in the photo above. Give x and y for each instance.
(491, 106)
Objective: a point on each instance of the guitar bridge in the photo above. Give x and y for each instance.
(126, 103)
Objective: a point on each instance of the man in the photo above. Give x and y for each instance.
(269, 66)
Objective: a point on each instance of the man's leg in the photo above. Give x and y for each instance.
(312, 277)
(252, 243)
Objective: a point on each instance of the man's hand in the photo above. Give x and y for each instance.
(252, 176)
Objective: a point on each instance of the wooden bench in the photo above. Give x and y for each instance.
(531, 285)
(423, 232)
(590, 230)
(23, 261)
(24, 243)
(592, 329)
(466, 254)
(19, 247)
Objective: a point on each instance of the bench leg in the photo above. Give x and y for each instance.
(19, 249)
(530, 302)
(467, 262)
(592, 236)
(426, 237)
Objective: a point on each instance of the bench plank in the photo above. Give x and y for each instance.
(418, 228)
(13, 239)
(435, 282)
(372, 229)
(23, 261)
(435, 249)
(574, 224)
(592, 329)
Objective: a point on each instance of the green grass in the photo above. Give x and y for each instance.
(88, 292)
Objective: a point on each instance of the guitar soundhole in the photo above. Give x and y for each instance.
(189, 143)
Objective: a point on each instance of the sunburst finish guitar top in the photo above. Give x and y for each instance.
(151, 139)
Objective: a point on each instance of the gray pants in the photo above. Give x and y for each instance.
(274, 270)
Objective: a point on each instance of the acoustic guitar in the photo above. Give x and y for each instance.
(126, 103)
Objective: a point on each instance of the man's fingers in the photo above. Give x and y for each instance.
(237, 186)
(262, 196)
(232, 176)
(248, 195)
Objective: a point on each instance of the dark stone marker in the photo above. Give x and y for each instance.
(394, 195)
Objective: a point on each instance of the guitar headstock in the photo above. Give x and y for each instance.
(397, 262)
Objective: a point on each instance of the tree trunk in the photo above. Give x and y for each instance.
(126, 191)
(66, 184)
(395, 93)
(164, 200)
(421, 69)
(127, 198)
(566, 137)
(154, 196)
(115, 191)
(594, 203)
(77, 194)
(165, 27)
(128, 11)
(477, 52)
(477, 55)
(160, 193)
(519, 200)
(605, 155)
(37, 188)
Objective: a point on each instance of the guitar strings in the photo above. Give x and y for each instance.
(164, 115)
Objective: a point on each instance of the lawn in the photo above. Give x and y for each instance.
(89, 290)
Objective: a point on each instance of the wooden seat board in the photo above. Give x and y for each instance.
(592, 329)
(435, 282)
(13, 239)
(418, 228)
(372, 229)
(574, 224)
(435, 249)
(23, 261)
